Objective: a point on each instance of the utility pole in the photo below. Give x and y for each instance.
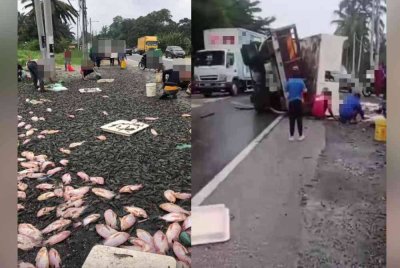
(84, 31)
(378, 40)
(91, 32)
(40, 27)
(77, 27)
(48, 22)
(353, 71)
(360, 55)
(372, 43)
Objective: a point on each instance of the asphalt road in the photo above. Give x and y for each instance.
(223, 134)
(168, 63)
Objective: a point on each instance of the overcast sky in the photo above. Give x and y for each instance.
(310, 16)
(104, 11)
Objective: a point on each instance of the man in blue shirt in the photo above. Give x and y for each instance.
(295, 88)
(351, 108)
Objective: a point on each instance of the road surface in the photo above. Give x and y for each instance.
(222, 135)
(168, 63)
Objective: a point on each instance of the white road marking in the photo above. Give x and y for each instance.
(207, 190)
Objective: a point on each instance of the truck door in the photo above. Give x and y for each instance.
(230, 66)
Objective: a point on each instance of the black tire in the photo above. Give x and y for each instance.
(235, 88)
(141, 66)
(366, 92)
(207, 95)
(260, 100)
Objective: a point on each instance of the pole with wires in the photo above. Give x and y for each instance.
(48, 23)
(40, 27)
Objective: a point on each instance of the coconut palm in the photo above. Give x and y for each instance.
(65, 12)
(352, 21)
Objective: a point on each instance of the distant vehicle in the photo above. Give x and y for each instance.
(174, 52)
(101, 49)
(128, 51)
(146, 43)
(219, 67)
(343, 78)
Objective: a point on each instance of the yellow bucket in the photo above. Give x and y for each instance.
(380, 129)
(123, 64)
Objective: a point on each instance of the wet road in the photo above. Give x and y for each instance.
(168, 62)
(218, 138)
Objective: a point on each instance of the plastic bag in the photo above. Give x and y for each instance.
(123, 64)
(70, 68)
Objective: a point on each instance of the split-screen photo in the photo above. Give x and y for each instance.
(216, 133)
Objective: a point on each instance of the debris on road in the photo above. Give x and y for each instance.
(89, 90)
(207, 115)
(183, 146)
(124, 127)
(54, 188)
(105, 80)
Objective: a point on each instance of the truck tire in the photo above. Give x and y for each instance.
(260, 100)
(235, 88)
(207, 94)
(366, 92)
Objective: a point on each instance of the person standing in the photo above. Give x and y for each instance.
(351, 108)
(67, 58)
(295, 88)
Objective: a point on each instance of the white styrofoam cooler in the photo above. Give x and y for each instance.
(210, 224)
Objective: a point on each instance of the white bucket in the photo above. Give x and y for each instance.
(151, 89)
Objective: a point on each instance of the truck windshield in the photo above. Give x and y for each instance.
(209, 58)
(151, 43)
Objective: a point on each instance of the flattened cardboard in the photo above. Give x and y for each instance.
(124, 127)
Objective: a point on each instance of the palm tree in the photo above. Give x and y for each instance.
(352, 22)
(376, 10)
(65, 12)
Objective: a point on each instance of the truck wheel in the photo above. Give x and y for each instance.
(366, 92)
(207, 95)
(235, 88)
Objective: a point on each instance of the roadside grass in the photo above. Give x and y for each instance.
(23, 55)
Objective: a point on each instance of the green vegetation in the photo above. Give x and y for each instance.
(23, 55)
(158, 23)
(63, 14)
(210, 14)
(353, 19)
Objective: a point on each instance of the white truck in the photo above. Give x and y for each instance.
(219, 67)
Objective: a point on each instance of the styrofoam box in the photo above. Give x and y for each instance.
(89, 90)
(210, 224)
(117, 127)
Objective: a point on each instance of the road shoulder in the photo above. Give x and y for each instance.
(262, 195)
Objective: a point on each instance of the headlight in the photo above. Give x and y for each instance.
(196, 77)
(222, 77)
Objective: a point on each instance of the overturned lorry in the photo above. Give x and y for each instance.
(272, 63)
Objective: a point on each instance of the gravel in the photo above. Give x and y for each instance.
(143, 158)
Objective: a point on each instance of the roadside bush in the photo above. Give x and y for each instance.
(31, 45)
(174, 39)
(61, 45)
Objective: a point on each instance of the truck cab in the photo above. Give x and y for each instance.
(215, 71)
(219, 67)
(147, 43)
